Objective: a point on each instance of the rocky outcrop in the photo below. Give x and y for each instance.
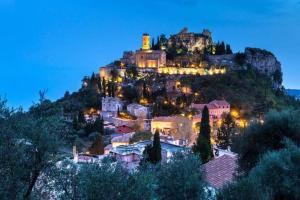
(262, 60)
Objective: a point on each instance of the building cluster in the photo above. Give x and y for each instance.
(147, 59)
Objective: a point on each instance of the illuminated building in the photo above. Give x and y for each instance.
(138, 110)
(178, 127)
(192, 40)
(216, 108)
(147, 58)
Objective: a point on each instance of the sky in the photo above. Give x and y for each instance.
(52, 44)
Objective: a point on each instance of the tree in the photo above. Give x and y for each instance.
(276, 176)
(75, 123)
(61, 181)
(203, 144)
(181, 178)
(29, 146)
(152, 153)
(260, 138)
(205, 126)
(203, 148)
(97, 147)
(226, 131)
(81, 118)
(99, 125)
(277, 76)
(104, 86)
(106, 181)
(155, 156)
(228, 49)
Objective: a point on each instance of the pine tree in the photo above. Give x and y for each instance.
(97, 147)
(155, 155)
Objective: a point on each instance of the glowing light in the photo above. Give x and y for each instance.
(235, 113)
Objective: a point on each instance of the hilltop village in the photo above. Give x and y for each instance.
(163, 88)
(183, 117)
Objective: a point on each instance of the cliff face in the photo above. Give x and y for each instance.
(262, 60)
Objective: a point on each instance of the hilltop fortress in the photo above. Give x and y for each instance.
(189, 53)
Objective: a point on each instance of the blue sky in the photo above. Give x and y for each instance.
(52, 44)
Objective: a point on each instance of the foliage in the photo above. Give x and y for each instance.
(96, 182)
(130, 94)
(99, 125)
(203, 148)
(97, 148)
(204, 125)
(247, 90)
(155, 156)
(277, 76)
(152, 153)
(276, 176)
(262, 137)
(203, 144)
(181, 178)
(29, 145)
(226, 131)
(240, 58)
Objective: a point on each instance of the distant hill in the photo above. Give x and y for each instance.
(294, 93)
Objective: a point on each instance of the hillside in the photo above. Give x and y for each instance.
(172, 73)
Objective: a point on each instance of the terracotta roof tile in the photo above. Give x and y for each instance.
(221, 170)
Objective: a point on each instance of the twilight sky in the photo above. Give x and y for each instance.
(52, 44)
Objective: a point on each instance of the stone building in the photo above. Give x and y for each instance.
(145, 57)
(178, 127)
(111, 104)
(192, 40)
(138, 110)
(216, 108)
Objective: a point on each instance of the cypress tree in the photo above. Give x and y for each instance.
(205, 126)
(153, 44)
(81, 118)
(222, 48)
(155, 155)
(104, 87)
(99, 126)
(118, 113)
(113, 89)
(99, 86)
(203, 144)
(228, 49)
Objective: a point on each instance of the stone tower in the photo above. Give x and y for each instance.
(146, 42)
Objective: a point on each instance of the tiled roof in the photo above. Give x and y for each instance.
(124, 138)
(220, 103)
(124, 129)
(221, 170)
